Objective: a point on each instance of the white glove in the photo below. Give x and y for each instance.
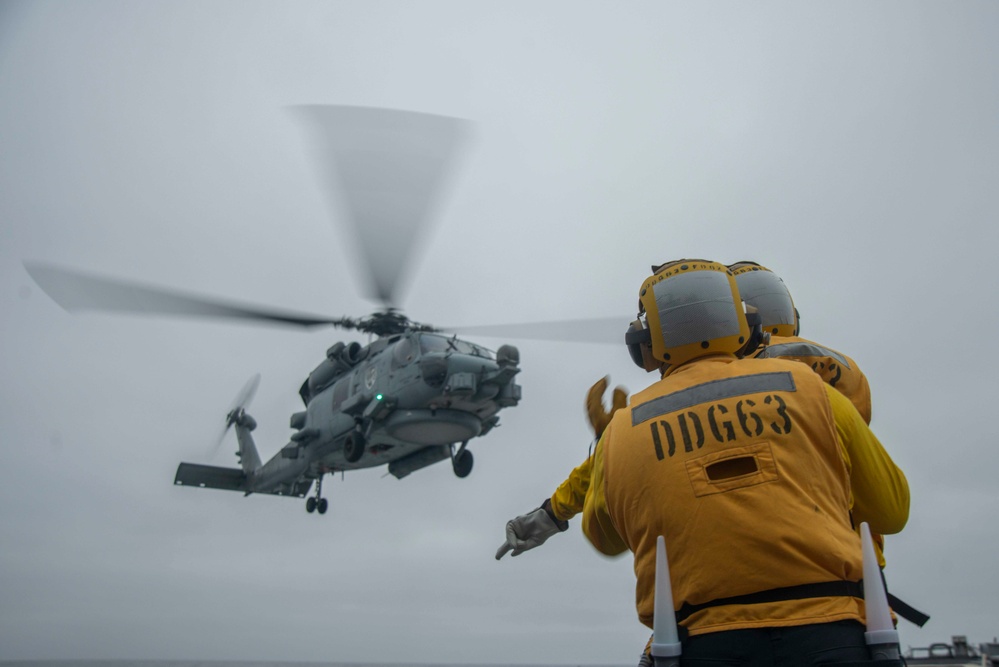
(528, 531)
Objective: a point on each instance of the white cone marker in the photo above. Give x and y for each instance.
(881, 635)
(665, 638)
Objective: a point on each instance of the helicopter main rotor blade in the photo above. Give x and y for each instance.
(390, 166)
(593, 330)
(74, 290)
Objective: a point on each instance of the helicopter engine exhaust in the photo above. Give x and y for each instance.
(340, 358)
(353, 353)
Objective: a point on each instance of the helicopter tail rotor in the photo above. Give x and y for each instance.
(237, 412)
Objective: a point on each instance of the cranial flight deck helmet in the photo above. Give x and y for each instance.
(687, 309)
(764, 290)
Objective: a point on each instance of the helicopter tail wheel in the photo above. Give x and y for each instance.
(353, 446)
(310, 505)
(462, 463)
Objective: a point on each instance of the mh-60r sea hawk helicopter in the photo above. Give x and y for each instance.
(406, 400)
(413, 395)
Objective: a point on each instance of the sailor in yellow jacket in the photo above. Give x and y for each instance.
(753, 470)
(766, 292)
(762, 289)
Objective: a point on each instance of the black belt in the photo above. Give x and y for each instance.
(824, 589)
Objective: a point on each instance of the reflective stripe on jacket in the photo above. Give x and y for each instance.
(835, 368)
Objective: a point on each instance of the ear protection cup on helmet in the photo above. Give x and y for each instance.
(757, 335)
(639, 342)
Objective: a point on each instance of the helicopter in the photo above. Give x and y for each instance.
(404, 400)
(412, 396)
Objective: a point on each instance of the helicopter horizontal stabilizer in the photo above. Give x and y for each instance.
(234, 479)
(210, 477)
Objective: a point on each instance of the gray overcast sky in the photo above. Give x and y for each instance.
(852, 147)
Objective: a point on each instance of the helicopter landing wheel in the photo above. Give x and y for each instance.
(353, 446)
(322, 506)
(462, 463)
(317, 501)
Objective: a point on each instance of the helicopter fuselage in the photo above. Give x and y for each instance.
(403, 400)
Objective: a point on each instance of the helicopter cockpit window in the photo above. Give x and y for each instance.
(481, 351)
(433, 343)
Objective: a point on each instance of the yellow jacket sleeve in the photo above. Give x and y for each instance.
(880, 490)
(597, 524)
(567, 501)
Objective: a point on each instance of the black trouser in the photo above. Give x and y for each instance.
(797, 646)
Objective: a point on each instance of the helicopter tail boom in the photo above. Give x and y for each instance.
(248, 457)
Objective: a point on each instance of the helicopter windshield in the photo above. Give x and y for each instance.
(434, 343)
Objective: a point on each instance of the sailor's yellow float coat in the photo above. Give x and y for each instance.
(837, 369)
(750, 469)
